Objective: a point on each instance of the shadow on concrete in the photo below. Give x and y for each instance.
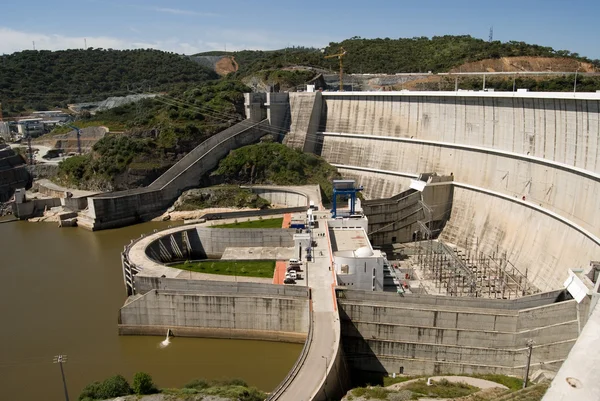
(363, 365)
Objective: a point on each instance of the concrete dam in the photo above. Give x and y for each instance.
(518, 186)
(526, 166)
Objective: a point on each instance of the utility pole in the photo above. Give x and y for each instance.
(325, 384)
(530, 343)
(60, 359)
(575, 84)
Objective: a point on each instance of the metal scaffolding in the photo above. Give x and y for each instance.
(455, 272)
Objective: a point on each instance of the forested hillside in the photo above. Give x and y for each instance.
(158, 132)
(46, 79)
(420, 54)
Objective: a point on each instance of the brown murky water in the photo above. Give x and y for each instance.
(60, 292)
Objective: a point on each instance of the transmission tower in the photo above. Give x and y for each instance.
(60, 359)
(491, 37)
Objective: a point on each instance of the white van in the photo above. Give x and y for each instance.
(295, 262)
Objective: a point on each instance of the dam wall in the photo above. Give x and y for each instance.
(537, 154)
(305, 113)
(384, 333)
(226, 315)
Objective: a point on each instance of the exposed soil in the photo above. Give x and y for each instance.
(526, 64)
(505, 64)
(226, 65)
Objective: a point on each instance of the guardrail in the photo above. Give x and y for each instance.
(250, 213)
(298, 365)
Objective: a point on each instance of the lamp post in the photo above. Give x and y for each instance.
(529, 343)
(575, 83)
(325, 384)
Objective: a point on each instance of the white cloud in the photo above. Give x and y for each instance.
(217, 39)
(178, 11)
(13, 41)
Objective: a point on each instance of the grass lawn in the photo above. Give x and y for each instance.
(440, 389)
(265, 223)
(246, 268)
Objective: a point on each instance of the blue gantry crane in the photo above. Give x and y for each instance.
(345, 187)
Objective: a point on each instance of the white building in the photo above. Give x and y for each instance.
(357, 265)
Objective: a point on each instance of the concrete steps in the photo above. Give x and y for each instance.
(85, 221)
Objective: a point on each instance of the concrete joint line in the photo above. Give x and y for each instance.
(520, 349)
(399, 358)
(437, 308)
(466, 94)
(533, 159)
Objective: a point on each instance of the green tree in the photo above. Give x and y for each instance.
(142, 384)
(115, 386)
(90, 392)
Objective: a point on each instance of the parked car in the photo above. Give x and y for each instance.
(293, 274)
(296, 268)
(289, 280)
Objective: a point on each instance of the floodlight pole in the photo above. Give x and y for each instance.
(530, 343)
(60, 359)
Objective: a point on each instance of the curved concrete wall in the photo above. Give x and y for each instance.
(209, 242)
(553, 126)
(541, 146)
(226, 315)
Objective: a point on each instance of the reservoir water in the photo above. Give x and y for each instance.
(60, 292)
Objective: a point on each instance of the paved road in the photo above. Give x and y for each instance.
(326, 325)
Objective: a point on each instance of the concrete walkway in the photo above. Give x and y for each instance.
(326, 326)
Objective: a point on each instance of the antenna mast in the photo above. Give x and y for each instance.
(491, 37)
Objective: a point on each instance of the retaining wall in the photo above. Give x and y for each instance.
(226, 315)
(210, 243)
(429, 335)
(127, 207)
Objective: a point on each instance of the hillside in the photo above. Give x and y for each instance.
(527, 63)
(389, 56)
(157, 133)
(45, 79)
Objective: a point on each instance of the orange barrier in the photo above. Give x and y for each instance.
(287, 220)
(280, 269)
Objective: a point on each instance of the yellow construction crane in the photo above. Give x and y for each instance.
(340, 55)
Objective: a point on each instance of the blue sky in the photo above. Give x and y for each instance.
(188, 27)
